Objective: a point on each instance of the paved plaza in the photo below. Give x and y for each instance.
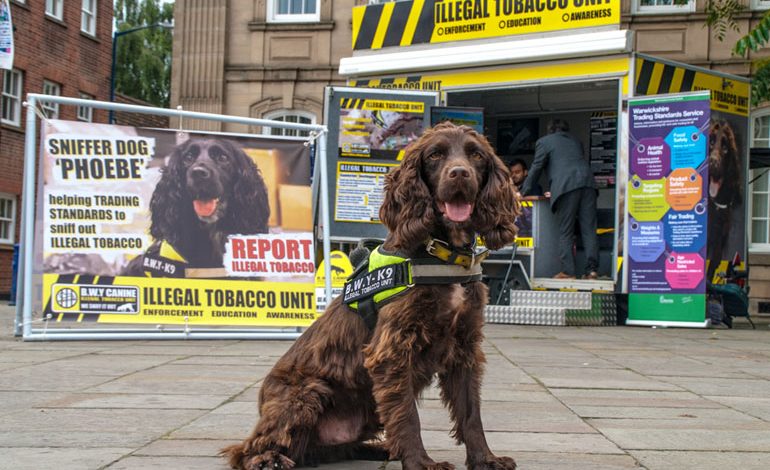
(593, 398)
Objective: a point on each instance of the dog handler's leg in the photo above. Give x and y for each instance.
(461, 393)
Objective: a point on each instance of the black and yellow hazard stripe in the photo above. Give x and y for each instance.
(657, 78)
(654, 77)
(393, 24)
(352, 103)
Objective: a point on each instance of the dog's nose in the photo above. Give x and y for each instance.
(200, 172)
(459, 172)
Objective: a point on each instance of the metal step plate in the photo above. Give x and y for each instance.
(555, 309)
(551, 299)
(525, 315)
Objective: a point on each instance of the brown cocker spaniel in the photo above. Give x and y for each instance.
(341, 384)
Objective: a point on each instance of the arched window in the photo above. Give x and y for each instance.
(301, 117)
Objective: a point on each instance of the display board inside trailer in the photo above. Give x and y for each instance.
(166, 227)
(369, 131)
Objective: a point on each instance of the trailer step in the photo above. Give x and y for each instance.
(555, 309)
(551, 299)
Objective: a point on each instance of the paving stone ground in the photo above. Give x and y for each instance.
(593, 398)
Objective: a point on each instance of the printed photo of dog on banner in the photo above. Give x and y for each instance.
(726, 216)
(196, 191)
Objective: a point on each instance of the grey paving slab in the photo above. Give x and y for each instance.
(703, 460)
(596, 378)
(12, 401)
(633, 398)
(758, 388)
(759, 407)
(219, 426)
(507, 443)
(137, 401)
(500, 416)
(650, 438)
(183, 448)
(183, 379)
(35, 458)
(165, 463)
(723, 417)
(573, 461)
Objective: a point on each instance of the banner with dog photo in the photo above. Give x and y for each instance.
(165, 227)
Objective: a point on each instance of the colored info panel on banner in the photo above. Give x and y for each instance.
(154, 226)
(667, 205)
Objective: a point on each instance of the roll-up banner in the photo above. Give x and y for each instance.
(668, 208)
(165, 227)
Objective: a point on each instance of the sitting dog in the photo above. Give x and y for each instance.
(359, 370)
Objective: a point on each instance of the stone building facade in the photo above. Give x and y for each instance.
(253, 59)
(63, 48)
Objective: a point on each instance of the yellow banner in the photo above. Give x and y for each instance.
(436, 21)
(498, 76)
(178, 301)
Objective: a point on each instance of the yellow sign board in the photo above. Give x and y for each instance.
(442, 80)
(168, 301)
(407, 23)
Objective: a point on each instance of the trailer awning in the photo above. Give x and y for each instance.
(517, 50)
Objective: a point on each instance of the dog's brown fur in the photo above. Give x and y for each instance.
(340, 384)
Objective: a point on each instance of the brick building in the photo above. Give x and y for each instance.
(62, 47)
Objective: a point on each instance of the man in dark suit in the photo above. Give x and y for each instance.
(573, 195)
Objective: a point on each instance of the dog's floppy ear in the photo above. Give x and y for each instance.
(497, 206)
(169, 206)
(407, 208)
(249, 209)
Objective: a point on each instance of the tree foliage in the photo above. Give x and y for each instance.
(143, 57)
(721, 16)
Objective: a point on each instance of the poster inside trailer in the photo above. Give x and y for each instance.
(165, 227)
(668, 207)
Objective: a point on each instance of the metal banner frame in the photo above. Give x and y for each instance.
(24, 315)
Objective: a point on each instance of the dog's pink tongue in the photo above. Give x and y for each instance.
(205, 208)
(458, 211)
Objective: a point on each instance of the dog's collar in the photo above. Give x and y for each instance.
(719, 206)
(443, 251)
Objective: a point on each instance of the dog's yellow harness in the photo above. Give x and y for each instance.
(162, 260)
(384, 276)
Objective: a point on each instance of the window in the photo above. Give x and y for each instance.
(759, 237)
(289, 116)
(12, 81)
(7, 217)
(50, 109)
(88, 17)
(54, 8)
(292, 11)
(663, 6)
(85, 113)
(760, 4)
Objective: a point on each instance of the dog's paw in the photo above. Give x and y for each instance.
(270, 460)
(495, 463)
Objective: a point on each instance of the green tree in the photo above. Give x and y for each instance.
(721, 16)
(143, 57)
